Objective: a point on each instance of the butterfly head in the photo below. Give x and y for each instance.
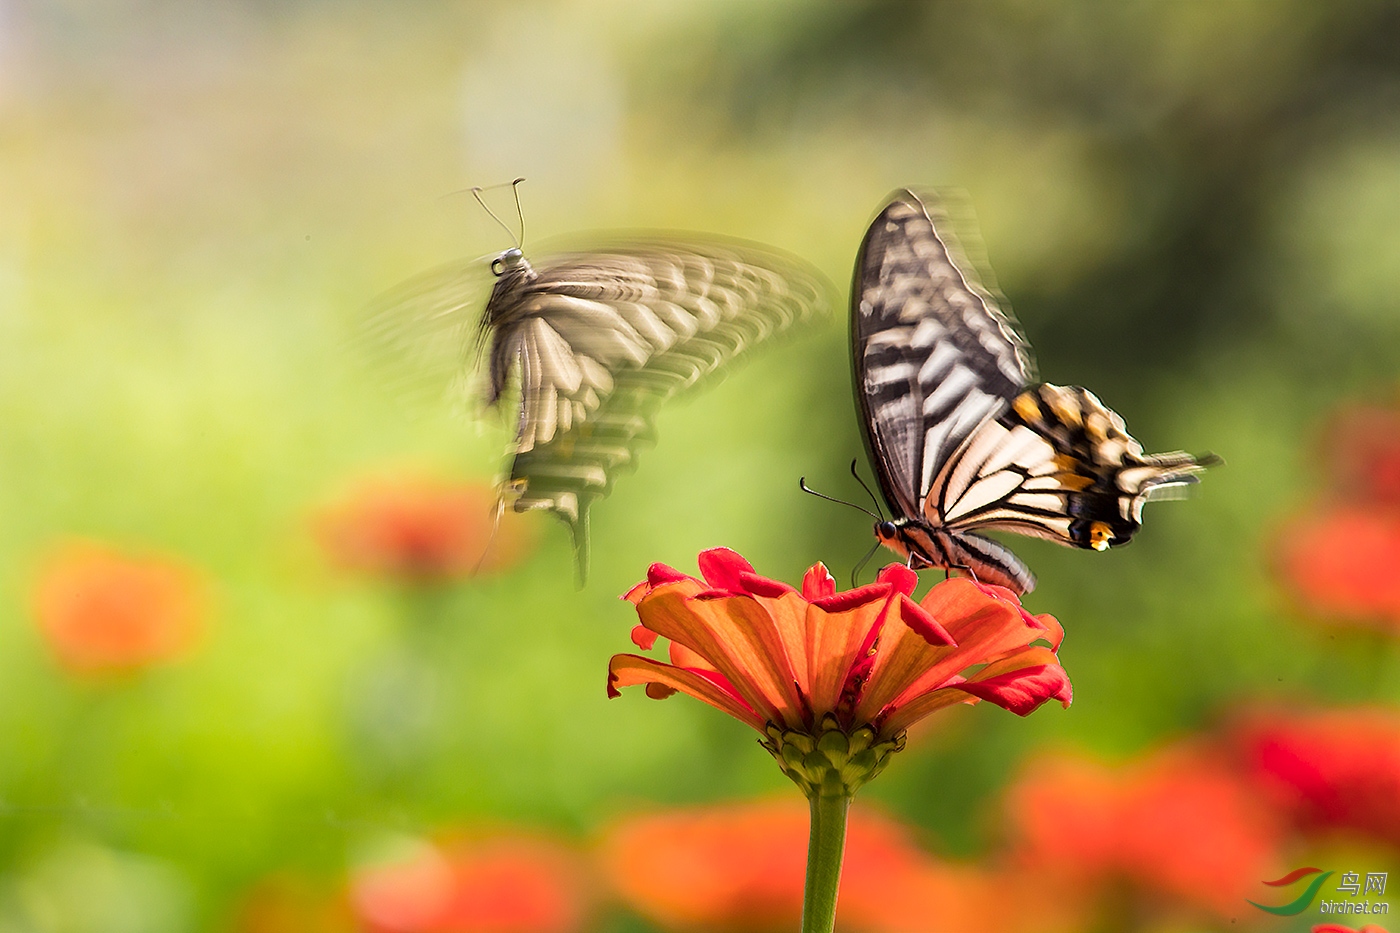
(887, 532)
(510, 263)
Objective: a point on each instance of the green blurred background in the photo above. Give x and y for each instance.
(1194, 209)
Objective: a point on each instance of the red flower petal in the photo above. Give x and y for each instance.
(723, 569)
(853, 599)
(1022, 691)
(818, 583)
(643, 637)
(900, 577)
(919, 619)
(755, 585)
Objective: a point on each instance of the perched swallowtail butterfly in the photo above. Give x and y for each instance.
(590, 344)
(962, 436)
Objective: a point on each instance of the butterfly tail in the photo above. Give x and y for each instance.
(578, 530)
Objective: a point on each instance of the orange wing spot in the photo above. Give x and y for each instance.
(1068, 463)
(1099, 536)
(1066, 408)
(1096, 425)
(1073, 481)
(1027, 407)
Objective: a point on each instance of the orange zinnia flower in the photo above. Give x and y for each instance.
(831, 679)
(1336, 770)
(105, 612)
(1178, 824)
(510, 884)
(419, 529)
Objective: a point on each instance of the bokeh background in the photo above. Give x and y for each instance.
(247, 682)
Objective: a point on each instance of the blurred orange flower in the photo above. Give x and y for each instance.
(105, 612)
(290, 904)
(507, 884)
(420, 529)
(740, 867)
(1178, 825)
(1331, 770)
(801, 667)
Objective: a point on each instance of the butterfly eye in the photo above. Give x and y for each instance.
(498, 266)
(885, 530)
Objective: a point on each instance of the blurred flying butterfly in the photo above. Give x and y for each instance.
(590, 344)
(962, 436)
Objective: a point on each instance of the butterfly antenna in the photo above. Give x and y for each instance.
(476, 193)
(515, 187)
(863, 561)
(802, 484)
(856, 474)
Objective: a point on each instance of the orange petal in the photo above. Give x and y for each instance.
(627, 670)
(741, 641)
(789, 615)
(835, 640)
(904, 715)
(908, 666)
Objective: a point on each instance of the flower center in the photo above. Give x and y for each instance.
(830, 761)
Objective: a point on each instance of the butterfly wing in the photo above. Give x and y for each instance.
(1058, 464)
(600, 340)
(934, 355)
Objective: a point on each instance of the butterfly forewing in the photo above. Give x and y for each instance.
(934, 355)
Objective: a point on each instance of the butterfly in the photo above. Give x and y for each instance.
(586, 346)
(963, 437)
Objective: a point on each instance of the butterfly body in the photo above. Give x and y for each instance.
(963, 437)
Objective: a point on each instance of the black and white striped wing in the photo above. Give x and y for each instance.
(600, 340)
(935, 357)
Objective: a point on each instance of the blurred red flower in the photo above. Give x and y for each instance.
(1338, 928)
(1178, 825)
(508, 884)
(1343, 562)
(1363, 445)
(419, 528)
(868, 662)
(1340, 558)
(105, 612)
(1332, 770)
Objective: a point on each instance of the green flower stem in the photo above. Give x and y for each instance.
(825, 847)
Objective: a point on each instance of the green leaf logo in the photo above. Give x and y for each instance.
(1304, 900)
